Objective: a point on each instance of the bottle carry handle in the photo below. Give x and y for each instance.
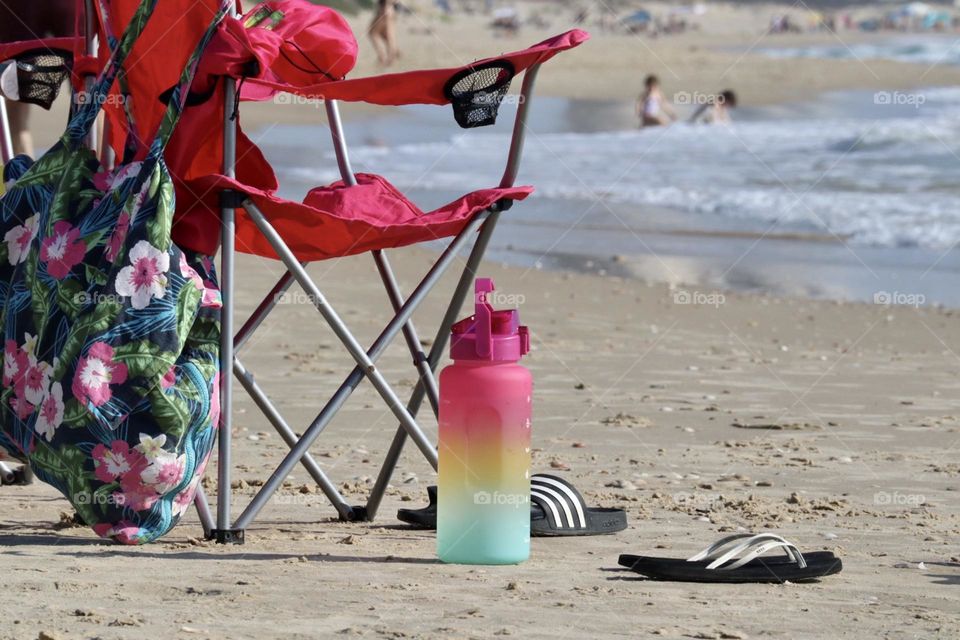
(483, 318)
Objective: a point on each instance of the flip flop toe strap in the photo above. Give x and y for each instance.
(745, 548)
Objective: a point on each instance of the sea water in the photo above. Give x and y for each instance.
(848, 196)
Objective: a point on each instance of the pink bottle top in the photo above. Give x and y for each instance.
(492, 336)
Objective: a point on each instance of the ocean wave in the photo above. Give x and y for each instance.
(915, 50)
(891, 181)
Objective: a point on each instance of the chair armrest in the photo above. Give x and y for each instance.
(415, 87)
(517, 140)
(72, 44)
(520, 128)
(428, 87)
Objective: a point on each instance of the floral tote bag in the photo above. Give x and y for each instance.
(111, 362)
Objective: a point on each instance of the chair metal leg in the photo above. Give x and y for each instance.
(203, 512)
(263, 310)
(223, 532)
(269, 410)
(290, 437)
(365, 359)
(224, 463)
(462, 290)
(409, 331)
(6, 136)
(21, 476)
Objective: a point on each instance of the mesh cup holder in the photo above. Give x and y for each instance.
(40, 74)
(476, 93)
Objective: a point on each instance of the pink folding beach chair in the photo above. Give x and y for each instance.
(226, 201)
(362, 213)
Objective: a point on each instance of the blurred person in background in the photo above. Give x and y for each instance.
(717, 110)
(383, 32)
(653, 108)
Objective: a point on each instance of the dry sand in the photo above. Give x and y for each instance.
(832, 424)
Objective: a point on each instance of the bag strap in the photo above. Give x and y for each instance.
(178, 98)
(82, 121)
(80, 124)
(132, 141)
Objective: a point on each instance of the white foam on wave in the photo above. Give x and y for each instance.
(890, 181)
(911, 49)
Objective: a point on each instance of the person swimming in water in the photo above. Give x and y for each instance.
(653, 108)
(717, 110)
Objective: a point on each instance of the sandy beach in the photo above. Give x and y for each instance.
(700, 411)
(829, 423)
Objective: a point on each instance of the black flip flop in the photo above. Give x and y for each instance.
(736, 559)
(556, 509)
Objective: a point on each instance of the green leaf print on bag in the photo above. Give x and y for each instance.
(111, 332)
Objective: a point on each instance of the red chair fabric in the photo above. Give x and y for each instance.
(338, 220)
(310, 45)
(155, 63)
(424, 86)
(197, 224)
(10, 50)
(331, 222)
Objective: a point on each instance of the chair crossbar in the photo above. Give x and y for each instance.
(437, 350)
(365, 368)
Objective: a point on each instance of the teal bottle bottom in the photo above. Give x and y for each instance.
(497, 534)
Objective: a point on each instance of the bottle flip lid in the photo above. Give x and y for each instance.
(489, 335)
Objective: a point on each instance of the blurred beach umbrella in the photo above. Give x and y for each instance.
(637, 21)
(639, 17)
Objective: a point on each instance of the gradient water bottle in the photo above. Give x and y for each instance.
(483, 510)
